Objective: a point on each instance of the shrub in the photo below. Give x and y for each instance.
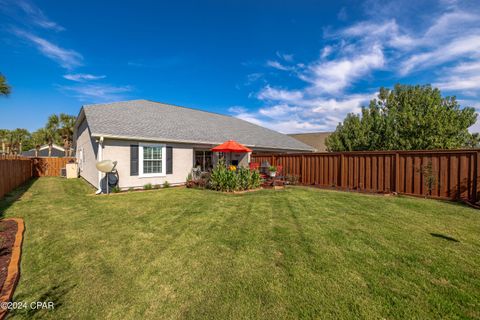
(147, 186)
(203, 181)
(243, 178)
(157, 186)
(115, 189)
(232, 178)
(255, 180)
(223, 179)
(166, 184)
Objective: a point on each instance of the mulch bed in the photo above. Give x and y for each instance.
(11, 237)
(8, 230)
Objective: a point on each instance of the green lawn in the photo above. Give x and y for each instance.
(297, 253)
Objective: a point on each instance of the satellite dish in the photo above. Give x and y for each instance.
(106, 165)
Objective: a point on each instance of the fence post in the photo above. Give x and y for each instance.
(397, 172)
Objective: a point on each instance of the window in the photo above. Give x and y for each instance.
(203, 160)
(152, 160)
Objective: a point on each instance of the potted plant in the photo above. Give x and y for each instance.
(273, 171)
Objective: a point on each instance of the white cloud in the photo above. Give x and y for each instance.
(387, 33)
(277, 111)
(285, 56)
(326, 51)
(252, 78)
(37, 16)
(97, 92)
(237, 109)
(350, 103)
(66, 58)
(277, 65)
(460, 83)
(301, 113)
(334, 76)
(284, 125)
(81, 77)
(451, 24)
(460, 48)
(464, 77)
(269, 93)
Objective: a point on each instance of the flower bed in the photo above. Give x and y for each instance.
(227, 179)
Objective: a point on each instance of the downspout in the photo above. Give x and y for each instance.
(100, 158)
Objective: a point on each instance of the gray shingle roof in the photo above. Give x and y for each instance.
(149, 120)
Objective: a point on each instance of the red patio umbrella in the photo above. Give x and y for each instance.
(231, 146)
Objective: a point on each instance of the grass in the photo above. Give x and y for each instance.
(297, 253)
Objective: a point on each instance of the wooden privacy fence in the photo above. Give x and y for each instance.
(14, 171)
(49, 167)
(449, 174)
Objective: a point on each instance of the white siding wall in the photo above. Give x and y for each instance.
(119, 150)
(86, 149)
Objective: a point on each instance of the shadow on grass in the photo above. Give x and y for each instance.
(442, 236)
(55, 294)
(14, 195)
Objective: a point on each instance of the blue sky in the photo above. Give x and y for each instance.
(294, 66)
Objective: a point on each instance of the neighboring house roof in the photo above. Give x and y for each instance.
(57, 151)
(314, 139)
(154, 121)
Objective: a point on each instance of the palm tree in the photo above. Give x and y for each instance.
(4, 133)
(4, 87)
(9, 142)
(39, 137)
(66, 131)
(19, 137)
(52, 132)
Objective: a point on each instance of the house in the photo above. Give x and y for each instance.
(154, 142)
(313, 139)
(43, 151)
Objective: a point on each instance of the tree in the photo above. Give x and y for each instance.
(406, 118)
(66, 131)
(4, 87)
(39, 137)
(4, 136)
(51, 132)
(60, 128)
(8, 141)
(19, 137)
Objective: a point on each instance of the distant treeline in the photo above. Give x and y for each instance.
(58, 130)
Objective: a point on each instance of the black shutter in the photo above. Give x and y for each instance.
(169, 160)
(134, 159)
